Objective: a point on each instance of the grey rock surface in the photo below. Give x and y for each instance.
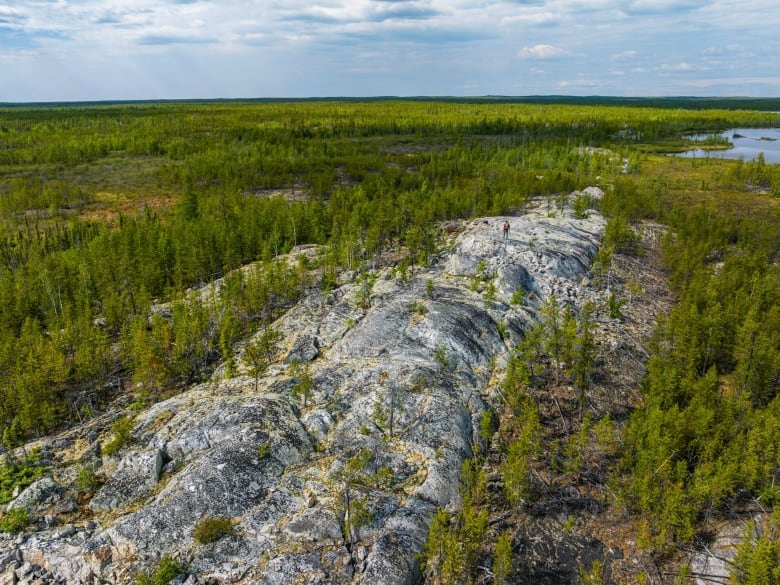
(135, 478)
(41, 492)
(399, 385)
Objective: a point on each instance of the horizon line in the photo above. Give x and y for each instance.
(450, 98)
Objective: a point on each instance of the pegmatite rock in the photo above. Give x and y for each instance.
(340, 488)
(547, 252)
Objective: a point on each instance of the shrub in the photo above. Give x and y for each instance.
(615, 306)
(758, 557)
(19, 474)
(580, 206)
(165, 572)
(442, 357)
(122, 429)
(359, 515)
(264, 450)
(487, 427)
(86, 481)
(211, 529)
(619, 236)
(595, 575)
(15, 520)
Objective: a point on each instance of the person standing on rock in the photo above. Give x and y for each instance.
(506, 229)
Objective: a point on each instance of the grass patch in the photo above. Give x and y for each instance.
(15, 520)
(211, 529)
(165, 572)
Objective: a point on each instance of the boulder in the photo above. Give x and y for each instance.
(42, 492)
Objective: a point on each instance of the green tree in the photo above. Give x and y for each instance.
(583, 353)
(443, 553)
(502, 559)
(388, 405)
(758, 557)
(556, 340)
(619, 236)
(260, 353)
(303, 387)
(356, 513)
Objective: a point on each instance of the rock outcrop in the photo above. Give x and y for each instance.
(337, 486)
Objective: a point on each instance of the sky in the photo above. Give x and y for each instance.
(85, 50)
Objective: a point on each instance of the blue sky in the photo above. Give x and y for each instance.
(53, 50)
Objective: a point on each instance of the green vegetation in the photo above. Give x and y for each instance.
(166, 571)
(456, 541)
(442, 357)
(389, 405)
(17, 475)
(304, 386)
(518, 296)
(122, 429)
(15, 520)
(211, 529)
(502, 560)
(264, 450)
(86, 480)
(758, 558)
(259, 354)
(356, 478)
(108, 209)
(109, 214)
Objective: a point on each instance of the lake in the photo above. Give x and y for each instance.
(748, 143)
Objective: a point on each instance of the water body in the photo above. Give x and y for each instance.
(748, 144)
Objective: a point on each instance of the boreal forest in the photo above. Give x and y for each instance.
(110, 213)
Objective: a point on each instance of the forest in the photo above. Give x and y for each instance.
(111, 213)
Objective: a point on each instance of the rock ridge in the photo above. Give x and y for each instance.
(339, 488)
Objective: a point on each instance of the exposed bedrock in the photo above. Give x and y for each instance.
(340, 487)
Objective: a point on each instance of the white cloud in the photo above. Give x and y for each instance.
(310, 47)
(624, 55)
(656, 6)
(533, 18)
(682, 67)
(677, 67)
(541, 52)
(712, 82)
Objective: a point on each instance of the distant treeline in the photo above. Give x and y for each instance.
(687, 102)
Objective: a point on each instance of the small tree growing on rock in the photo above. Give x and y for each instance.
(502, 559)
(260, 353)
(442, 555)
(583, 354)
(389, 403)
(302, 388)
(366, 283)
(452, 553)
(122, 429)
(356, 513)
(556, 338)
